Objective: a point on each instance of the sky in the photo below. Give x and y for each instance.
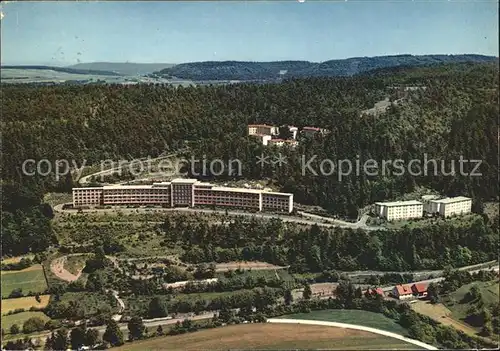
(64, 33)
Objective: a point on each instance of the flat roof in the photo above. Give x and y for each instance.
(276, 193)
(182, 180)
(120, 186)
(452, 199)
(236, 190)
(399, 203)
(89, 188)
(261, 125)
(430, 197)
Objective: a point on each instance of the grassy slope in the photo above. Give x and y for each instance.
(489, 291)
(365, 318)
(20, 318)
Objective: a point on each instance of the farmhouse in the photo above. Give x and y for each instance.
(419, 289)
(402, 292)
(374, 292)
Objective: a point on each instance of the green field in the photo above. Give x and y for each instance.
(20, 318)
(489, 291)
(267, 336)
(30, 279)
(359, 317)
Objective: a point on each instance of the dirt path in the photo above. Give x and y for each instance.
(254, 265)
(57, 267)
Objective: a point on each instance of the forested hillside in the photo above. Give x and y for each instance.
(453, 111)
(239, 70)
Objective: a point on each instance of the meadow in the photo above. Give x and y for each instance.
(29, 279)
(20, 318)
(359, 317)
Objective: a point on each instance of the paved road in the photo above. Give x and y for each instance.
(356, 327)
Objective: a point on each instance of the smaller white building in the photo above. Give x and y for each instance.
(399, 210)
(294, 131)
(263, 138)
(451, 206)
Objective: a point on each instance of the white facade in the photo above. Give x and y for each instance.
(451, 206)
(183, 192)
(428, 205)
(399, 210)
(264, 139)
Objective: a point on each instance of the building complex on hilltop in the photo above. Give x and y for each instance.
(446, 207)
(450, 206)
(268, 134)
(399, 210)
(182, 193)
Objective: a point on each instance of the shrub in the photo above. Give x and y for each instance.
(14, 329)
(33, 324)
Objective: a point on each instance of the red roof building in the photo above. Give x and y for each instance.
(402, 292)
(419, 289)
(375, 291)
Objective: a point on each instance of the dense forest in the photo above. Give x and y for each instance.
(451, 111)
(317, 249)
(239, 70)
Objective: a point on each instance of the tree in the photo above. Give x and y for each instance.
(113, 335)
(33, 324)
(433, 292)
(14, 329)
(487, 329)
(307, 293)
(91, 337)
(136, 328)
(288, 297)
(77, 337)
(225, 314)
(157, 308)
(60, 340)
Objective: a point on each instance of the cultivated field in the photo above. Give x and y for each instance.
(364, 318)
(29, 279)
(20, 318)
(24, 302)
(271, 336)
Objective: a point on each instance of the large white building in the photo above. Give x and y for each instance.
(183, 192)
(399, 210)
(450, 206)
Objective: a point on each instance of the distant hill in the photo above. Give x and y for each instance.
(61, 69)
(123, 68)
(240, 70)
